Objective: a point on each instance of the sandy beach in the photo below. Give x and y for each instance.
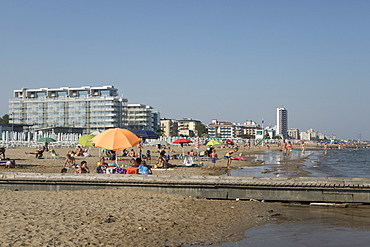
(123, 217)
(49, 164)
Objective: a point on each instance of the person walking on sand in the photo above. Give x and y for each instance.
(213, 156)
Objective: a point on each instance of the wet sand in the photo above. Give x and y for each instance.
(123, 217)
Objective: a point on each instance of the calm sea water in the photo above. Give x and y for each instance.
(313, 226)
(335, 163)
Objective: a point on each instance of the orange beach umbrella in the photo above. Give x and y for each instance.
(116, 139)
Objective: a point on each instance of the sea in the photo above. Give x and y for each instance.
(302, 225)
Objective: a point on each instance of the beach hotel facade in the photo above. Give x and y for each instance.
(87, 108)
(142, 117)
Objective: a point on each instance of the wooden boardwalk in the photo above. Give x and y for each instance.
(299, 189)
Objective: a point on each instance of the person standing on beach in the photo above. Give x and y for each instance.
(325, 148)
(289, 147)
(2, 151)
(283, 147)
(228, 157)
(213, 156)
(139, 151)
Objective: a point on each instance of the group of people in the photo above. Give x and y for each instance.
(70, 163)
(77, 152)
(138, 165)
(138, 162)
(286, 147)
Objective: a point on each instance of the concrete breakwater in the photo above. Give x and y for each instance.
(297, 189)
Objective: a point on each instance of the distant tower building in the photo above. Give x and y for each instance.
(282, 122)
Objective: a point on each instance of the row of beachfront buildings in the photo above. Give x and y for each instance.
(89, 109)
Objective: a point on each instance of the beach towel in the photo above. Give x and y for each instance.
(119, 171)
(132, 170)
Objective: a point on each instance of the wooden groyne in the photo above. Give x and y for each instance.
(299, 189)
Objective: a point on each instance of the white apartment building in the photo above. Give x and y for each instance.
(293, 134)
(187, 126)
(142, 117)
(282, 123)
(248, 128)
(221, 129)
(89, 108)
(311, 135)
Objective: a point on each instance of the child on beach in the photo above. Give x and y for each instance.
(289, 147)
(213, 156)
(84, 168)
(10, 164)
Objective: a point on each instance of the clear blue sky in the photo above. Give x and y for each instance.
(225, 60)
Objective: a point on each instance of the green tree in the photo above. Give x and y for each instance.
(276, 137)
(160, 132)
(4, 119)
(201, 129)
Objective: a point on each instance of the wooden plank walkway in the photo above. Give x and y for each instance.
(304, 189)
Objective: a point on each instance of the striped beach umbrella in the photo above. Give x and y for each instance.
(196, 145)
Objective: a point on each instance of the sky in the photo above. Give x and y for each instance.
(228, 60)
